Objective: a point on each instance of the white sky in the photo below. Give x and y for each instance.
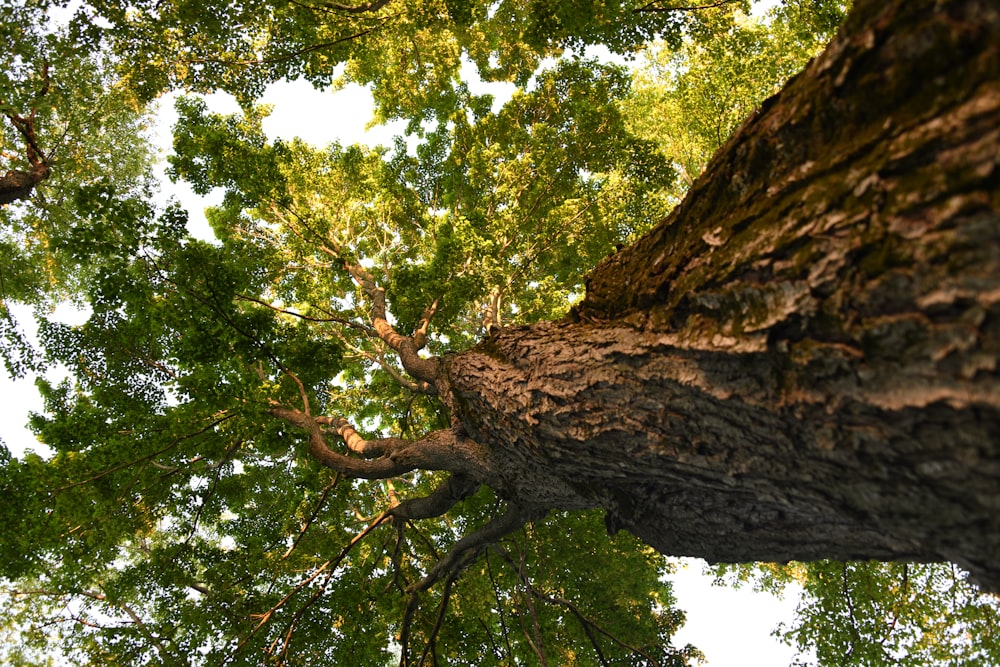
(732, 627)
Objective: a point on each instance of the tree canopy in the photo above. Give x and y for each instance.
(226, 474)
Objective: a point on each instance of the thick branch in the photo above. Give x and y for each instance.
(379, 468)
(367, 449)
(416, 387)
(18, 184)
(492, 319)
(466, 549)
(406, 347)
(452, 491)
(445, 449)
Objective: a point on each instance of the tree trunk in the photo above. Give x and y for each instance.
(801, 361)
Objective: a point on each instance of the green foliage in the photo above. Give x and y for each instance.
(690, 98)
(91, 132)
(174, 520)
(871, 613)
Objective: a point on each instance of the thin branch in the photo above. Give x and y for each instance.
(500, 606)
(329, 318)
(332, 564)
(589, 626)
(445, 598)
(372, 6)
(537, 644)
(653, 7)
(142, 627)
(855, 633)
(297, 616)
(141, 459)
(282, 58)
(312, 517)
(468, 548)
(302, 389)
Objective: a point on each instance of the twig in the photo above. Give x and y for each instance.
(652, 7)
(312, 517)
(141, 459)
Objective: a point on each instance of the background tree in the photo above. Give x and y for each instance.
(184, 337)
(69, 129)
(872, 613)
(690, 98)
(203, 513)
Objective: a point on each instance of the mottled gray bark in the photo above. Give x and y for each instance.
(801, 362)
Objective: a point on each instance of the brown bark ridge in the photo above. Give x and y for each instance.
(801, 361)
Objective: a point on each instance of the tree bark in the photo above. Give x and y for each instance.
(801, 361)
(18, 184)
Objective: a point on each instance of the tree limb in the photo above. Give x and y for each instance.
(653, 7)
(18, 184)
(445, 449)
(405, 346)
(453, 490)
(466, 549)
(372, 6)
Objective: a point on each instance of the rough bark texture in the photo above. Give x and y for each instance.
(18, 184)
(801, 362)
(15, 184)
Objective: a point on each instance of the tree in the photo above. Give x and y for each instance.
(68, 129)
(872, 613)
(690, 99)
(797, 363)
